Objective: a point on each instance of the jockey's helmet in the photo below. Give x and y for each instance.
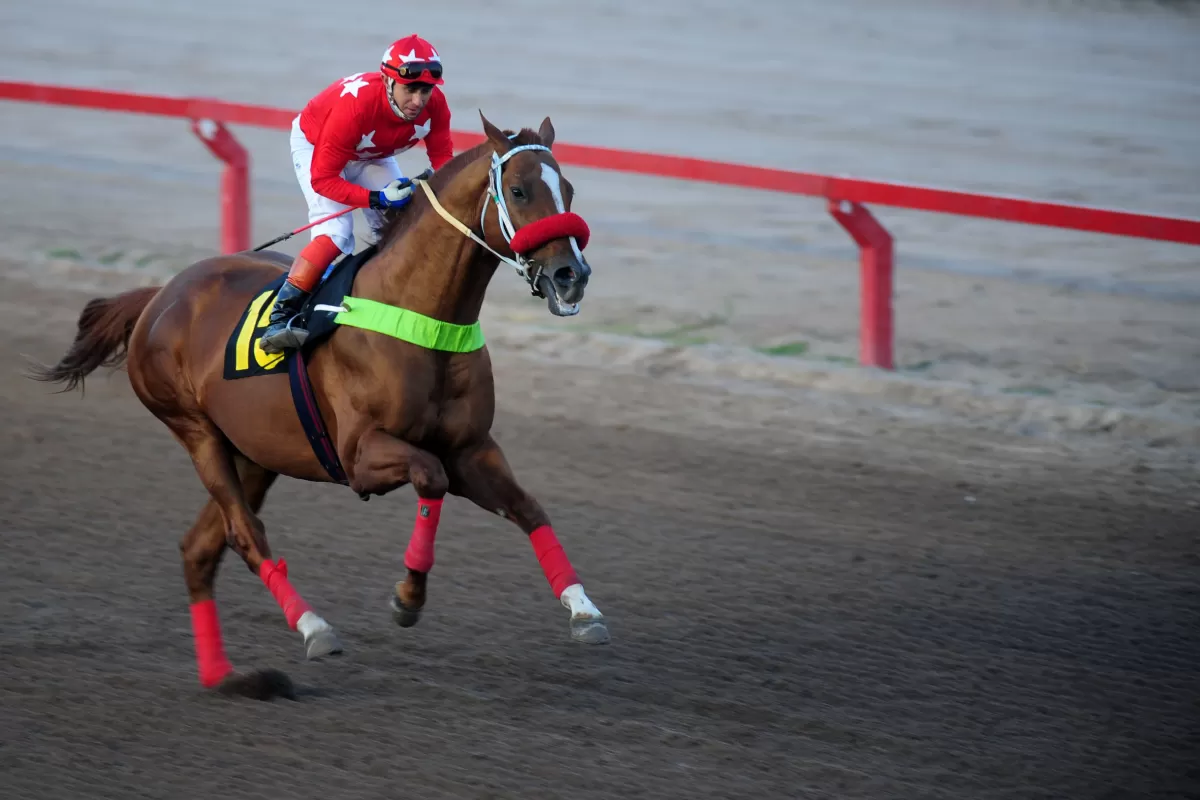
(412, 60)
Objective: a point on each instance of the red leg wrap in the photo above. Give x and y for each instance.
(210, 651)
(275, 577)
(419, 555)
(554, 561)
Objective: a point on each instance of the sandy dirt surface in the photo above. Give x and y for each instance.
(801, 610)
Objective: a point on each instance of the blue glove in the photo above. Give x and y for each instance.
(396, 194)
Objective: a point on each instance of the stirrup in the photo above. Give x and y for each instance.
(287, 338)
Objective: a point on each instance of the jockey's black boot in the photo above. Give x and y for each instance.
(286, 330)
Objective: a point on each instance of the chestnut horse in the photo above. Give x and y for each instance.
(396, 412)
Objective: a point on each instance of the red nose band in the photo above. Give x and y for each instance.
(557, 226)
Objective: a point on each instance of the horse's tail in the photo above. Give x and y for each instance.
(102, 339)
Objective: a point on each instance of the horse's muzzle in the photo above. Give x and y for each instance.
(563, 281)
(570, 281)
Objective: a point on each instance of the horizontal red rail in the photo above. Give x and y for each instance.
(944, 201)
(95, 98)
(1016, 209)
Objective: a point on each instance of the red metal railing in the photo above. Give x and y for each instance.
(847, 197)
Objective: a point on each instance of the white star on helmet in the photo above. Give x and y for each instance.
(412, 56)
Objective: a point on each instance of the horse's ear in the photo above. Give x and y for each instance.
(496, 136)
(546, 132)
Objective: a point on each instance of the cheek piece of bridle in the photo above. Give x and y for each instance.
(537, 233)
(530, 237)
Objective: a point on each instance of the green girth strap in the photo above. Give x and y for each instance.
(409, 326)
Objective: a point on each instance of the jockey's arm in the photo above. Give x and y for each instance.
(438, 144)
(335, 147)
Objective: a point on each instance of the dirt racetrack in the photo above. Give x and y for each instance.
(805, 611)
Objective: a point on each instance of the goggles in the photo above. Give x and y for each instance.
(414, 70)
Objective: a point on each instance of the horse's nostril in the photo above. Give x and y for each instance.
(565, 275)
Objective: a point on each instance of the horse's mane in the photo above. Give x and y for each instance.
(396, 221)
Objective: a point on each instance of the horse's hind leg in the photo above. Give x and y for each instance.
(482, 475)
(237, 498)
(202, 548)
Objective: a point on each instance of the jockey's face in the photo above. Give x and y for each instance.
(411, 97)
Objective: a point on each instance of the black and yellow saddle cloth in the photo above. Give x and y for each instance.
(330, 306)
(244, 356)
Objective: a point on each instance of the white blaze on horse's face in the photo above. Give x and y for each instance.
(553, 180)
(559, 271)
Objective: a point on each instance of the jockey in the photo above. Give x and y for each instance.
(344, 144)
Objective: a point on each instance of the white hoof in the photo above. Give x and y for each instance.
(319, 638)
(587, 623)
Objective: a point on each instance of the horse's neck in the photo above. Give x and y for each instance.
(431, 267)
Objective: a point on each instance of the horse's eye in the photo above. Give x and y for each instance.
(517, 193)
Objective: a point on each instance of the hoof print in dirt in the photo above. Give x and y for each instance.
(590, 631)
(266, 684)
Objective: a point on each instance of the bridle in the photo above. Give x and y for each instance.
(528, 237)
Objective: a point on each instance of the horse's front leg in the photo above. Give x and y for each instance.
(482, 475)
(382, 463)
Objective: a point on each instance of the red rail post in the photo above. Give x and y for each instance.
(235, 183)
(875, 271)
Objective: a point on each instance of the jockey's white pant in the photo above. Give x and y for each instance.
(372, 175)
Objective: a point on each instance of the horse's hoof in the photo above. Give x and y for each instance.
(266, 684)
(323, 643)
(404, 617)
(589, 631)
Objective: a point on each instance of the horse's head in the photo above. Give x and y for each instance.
(533, 208)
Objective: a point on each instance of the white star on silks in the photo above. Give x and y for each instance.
(367, 141)
(352, 86)
(421, 131)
